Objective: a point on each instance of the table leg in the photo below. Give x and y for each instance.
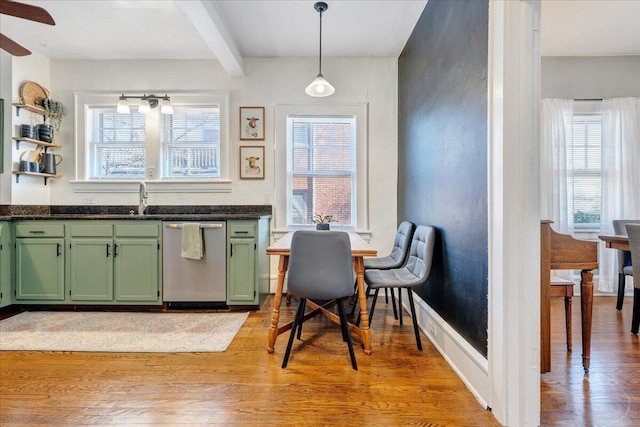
(586, 305)
(358, 265)
(283, 264)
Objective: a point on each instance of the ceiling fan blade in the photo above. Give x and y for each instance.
(12, 47)
(26, 11)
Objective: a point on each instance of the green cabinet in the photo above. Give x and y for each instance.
(115, 262)
(247, 266)
(6, 255)
(39, 267)
(87, 262)
(91, 269)
(137, 267)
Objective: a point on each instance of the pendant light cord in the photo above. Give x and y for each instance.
(320, 59)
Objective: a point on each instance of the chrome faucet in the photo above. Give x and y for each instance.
(142, 205)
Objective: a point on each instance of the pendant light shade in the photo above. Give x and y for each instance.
(320, 87)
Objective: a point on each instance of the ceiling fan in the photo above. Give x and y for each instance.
(24, 11)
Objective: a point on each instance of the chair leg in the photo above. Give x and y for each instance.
(567, 318)
(373, 304)
(621, 286)
(415, 320)
(297, 322)
(393, 303)
(635, 320)
(386, 296)
(345, 332)
(400, 305)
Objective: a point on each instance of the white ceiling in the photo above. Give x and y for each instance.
(232, 30)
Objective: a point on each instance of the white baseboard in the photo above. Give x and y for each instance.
(470, 365)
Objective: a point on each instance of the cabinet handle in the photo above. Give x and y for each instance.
(107, 250)
(36, 231)
(241, 232)
(231, 254)
(58, 246)
(115, 250)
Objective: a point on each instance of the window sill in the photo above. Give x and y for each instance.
(128, 186)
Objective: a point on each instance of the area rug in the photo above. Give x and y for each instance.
(120, 332)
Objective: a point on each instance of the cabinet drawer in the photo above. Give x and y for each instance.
(136, 229)
(242, 230)
(91, 230)
(39, 230)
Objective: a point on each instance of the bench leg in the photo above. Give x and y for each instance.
(567, 315)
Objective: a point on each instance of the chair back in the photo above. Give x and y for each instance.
(402, 243)
(633, 231)
(619, 229)
(320, 266)
(421, 252)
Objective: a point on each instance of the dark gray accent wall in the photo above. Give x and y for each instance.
(442, 125)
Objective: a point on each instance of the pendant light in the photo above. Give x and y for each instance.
(320, 87)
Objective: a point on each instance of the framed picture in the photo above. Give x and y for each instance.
(251, 162)
(252, 123)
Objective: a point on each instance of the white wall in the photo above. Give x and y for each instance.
(268, 82)
(6, 93)
(579, 77)
(30, 190)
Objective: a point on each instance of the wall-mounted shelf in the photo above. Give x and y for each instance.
(32, 108)
(35, 141)
(43, 175)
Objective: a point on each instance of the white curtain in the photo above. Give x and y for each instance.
(556, 181)
(620, 176)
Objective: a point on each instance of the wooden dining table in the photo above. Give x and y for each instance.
(616, 242)
(359, 249)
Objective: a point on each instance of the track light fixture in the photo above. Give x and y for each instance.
(147, 102)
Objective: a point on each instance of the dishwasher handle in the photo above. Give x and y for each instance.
(201, 226)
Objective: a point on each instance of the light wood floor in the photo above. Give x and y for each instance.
(610, 394)
(396, 385)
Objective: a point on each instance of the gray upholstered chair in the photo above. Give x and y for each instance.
(633, 231)
(320, 269)
(414, 273)
(624, 258)
(397, 258)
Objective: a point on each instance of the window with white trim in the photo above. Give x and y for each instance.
(321, 151)
(321, 169)
(584, 158)
(191, 143)
(184, 152)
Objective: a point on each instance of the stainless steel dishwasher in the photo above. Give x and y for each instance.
(195, 283)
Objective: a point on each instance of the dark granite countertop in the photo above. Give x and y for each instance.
(160, 213)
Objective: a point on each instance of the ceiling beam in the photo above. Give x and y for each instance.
(211, 26)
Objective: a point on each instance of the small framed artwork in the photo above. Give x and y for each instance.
(251, 162)
(252, 123)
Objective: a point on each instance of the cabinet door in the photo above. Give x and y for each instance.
(91, 269)
(40, 269)
(5, 263)
(241, 285)
(136, 270)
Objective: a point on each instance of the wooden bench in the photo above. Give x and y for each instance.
(564, 288)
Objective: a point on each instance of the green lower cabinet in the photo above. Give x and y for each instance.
(137, 269)
(40, 269)
(91, 269)
(247, 262)
(241, 269)
(6, 255)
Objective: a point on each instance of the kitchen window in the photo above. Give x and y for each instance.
(323, 159)
(188, 147)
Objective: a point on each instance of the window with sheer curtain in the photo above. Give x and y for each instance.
(584, 156)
